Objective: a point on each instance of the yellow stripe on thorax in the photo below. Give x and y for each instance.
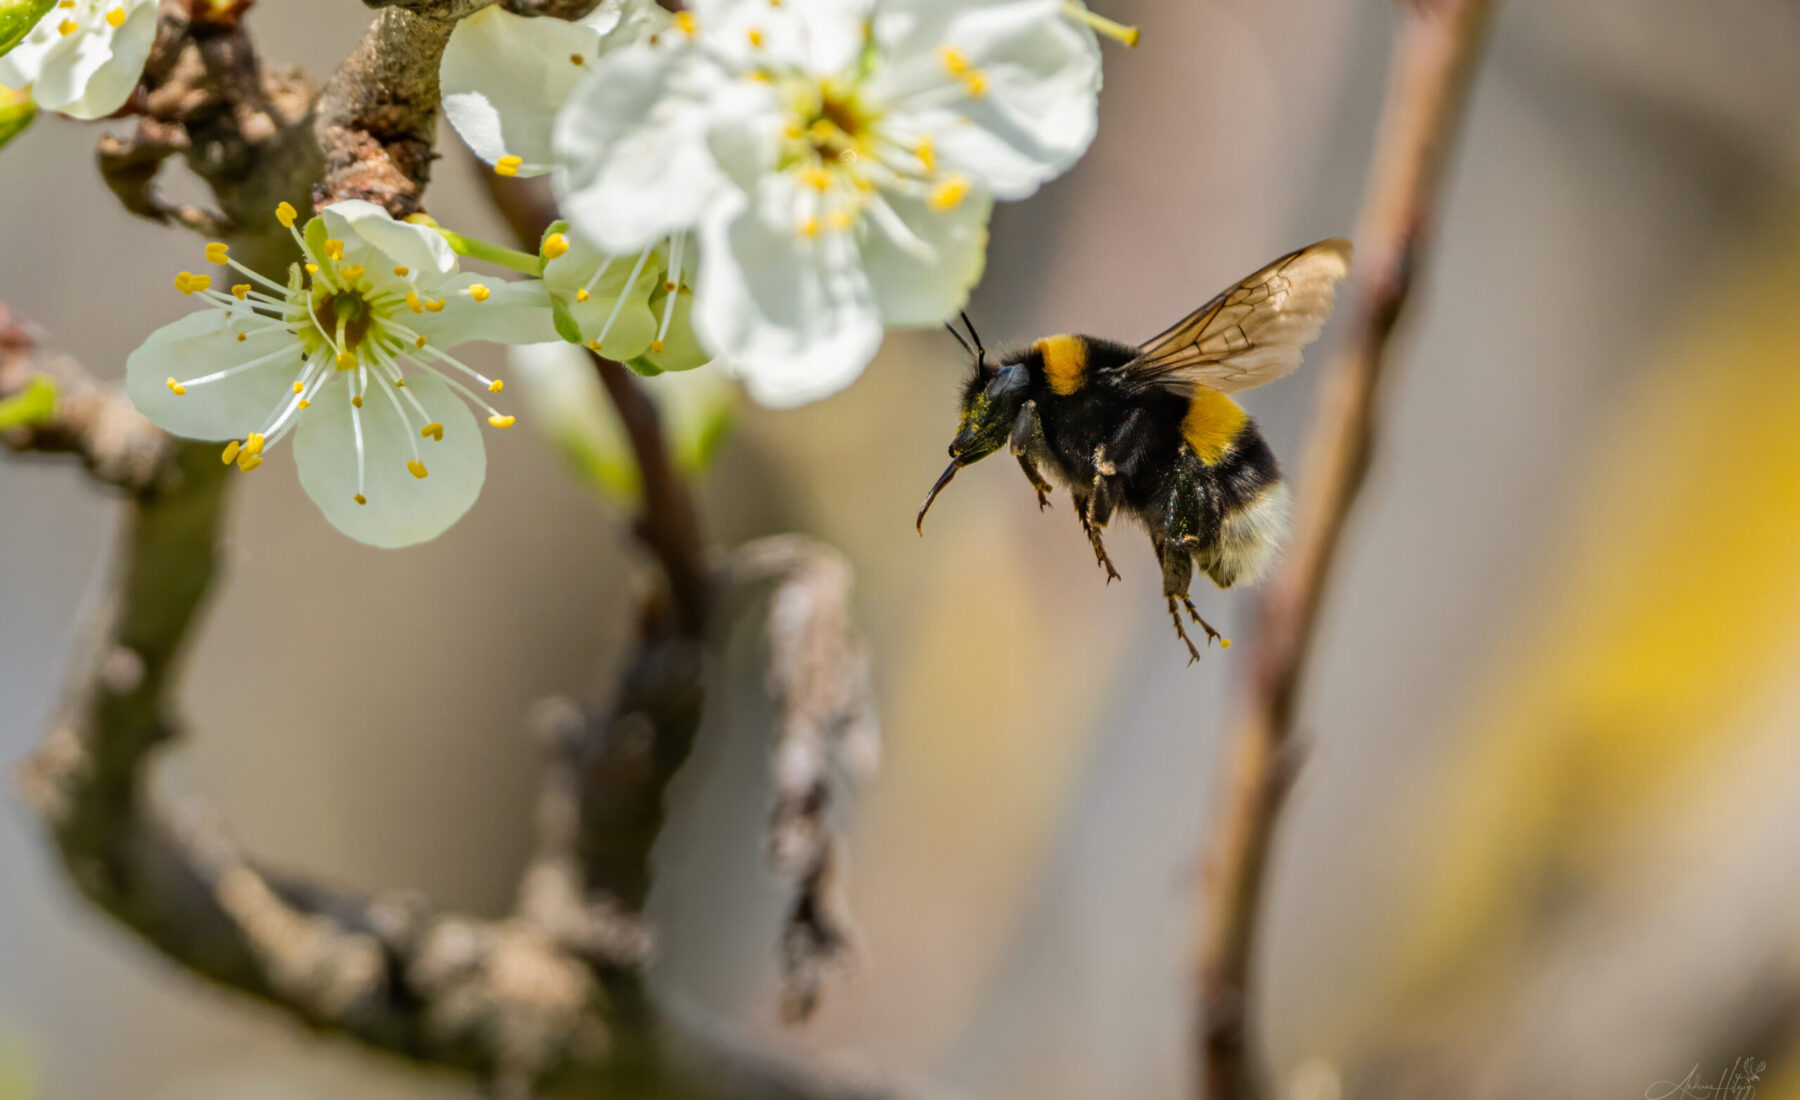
(1212, 424)
(1065, 362)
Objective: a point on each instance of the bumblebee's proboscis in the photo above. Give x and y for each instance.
(1152, 430)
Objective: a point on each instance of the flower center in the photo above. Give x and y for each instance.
(346, 312)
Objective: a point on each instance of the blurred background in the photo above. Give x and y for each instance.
(1545, 842)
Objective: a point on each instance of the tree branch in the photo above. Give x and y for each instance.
(1434, 58)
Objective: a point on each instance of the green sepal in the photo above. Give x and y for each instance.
(32, 405)
(316, 235)
(564, 320)
(17, 17)
(16, 112)
(643, 366)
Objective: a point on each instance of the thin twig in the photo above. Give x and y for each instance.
(1434, 59)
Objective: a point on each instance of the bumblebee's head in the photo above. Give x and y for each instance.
(992, 398)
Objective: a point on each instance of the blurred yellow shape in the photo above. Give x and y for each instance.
(1665, 619)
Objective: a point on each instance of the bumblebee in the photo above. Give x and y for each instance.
(1153, 431)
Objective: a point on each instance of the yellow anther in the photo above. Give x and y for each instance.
(497, 385)
(656, 347)
(577, 59)
(115, 17)
(68, 27)
(298, 389)
(402, 272)
(400, 383)
(555, 245)
(352, 271)
(816, 178)
(1114, 30)
(432, 431)
(419, 342)
(413, 302)
(65, 3)
(285, 214)
(418, 469)
(581, 294)
(254, 443)
(303, 405)
(346, 360)
(436, 306)
(421, 218)
(794, 131)
(926, 151)
(334, 249)
(809, 228)
(760, 76)
(976, 82)
(756, 38)
(478, 292)
(248, 462)
(839, 220)
(669, 285)
(241, 291)
(175, 387)
(821, 131)
(189, 283)
(243, 336)
(503, 421)
(231, 453)
(508, 165)
(954, 59)
(356, 401)
(949, 193)
(360, 499)
(312, 269)
(594, 345)
(689, 25)
(217, 253)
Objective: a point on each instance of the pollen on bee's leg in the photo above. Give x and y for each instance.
(417, 469)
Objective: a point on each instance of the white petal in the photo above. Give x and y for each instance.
(402, 509)
(504, 77)
(923, 262)
(824, 37)
(198, 345)
(631, 145)
(515, 312)
(1040, 109)
(416, 246)
(626, 22)
(94, 74)
(793, 316)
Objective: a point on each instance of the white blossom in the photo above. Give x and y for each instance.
(352, 355)
(85, 56)
(837, 161)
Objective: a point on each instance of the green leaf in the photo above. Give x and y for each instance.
(17, 17)
(643, 367)
(16, 112)
(564, 320)
(33, 405)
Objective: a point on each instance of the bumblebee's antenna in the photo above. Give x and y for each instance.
(980, 352)
(967, 350)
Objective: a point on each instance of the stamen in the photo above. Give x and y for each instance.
(402, 272)
(433, 430)
(175, 387)
(435, 306)
(189, 283)
(241, 291)
(248, 462)
(479, 292)
(286, 214)
(1118, 31)
(231, 453)
(68, 27)
(496, 385)
(115, 18)
(502, 421)
(508, 165)
(555, 245)
(950, 192)
(335, 250)
(689, 25)
(417, 469)
(954, 59)
(357, 401)
(618, 306)
(217, 253)
(254, 443)
(361, 455)
(581, 294)
(413, 302)
(360, 499)
(279, 353)
(351, 272)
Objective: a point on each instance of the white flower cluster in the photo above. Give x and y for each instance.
(83, 57)
(767, 182)
(832, 162)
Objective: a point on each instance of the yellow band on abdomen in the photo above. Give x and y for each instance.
(1212, 424)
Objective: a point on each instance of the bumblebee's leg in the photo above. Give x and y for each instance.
(1027, 444)
(1177, 569)
(1184, 516)
(1093, 508)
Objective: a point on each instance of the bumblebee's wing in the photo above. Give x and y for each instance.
(1252, 333)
